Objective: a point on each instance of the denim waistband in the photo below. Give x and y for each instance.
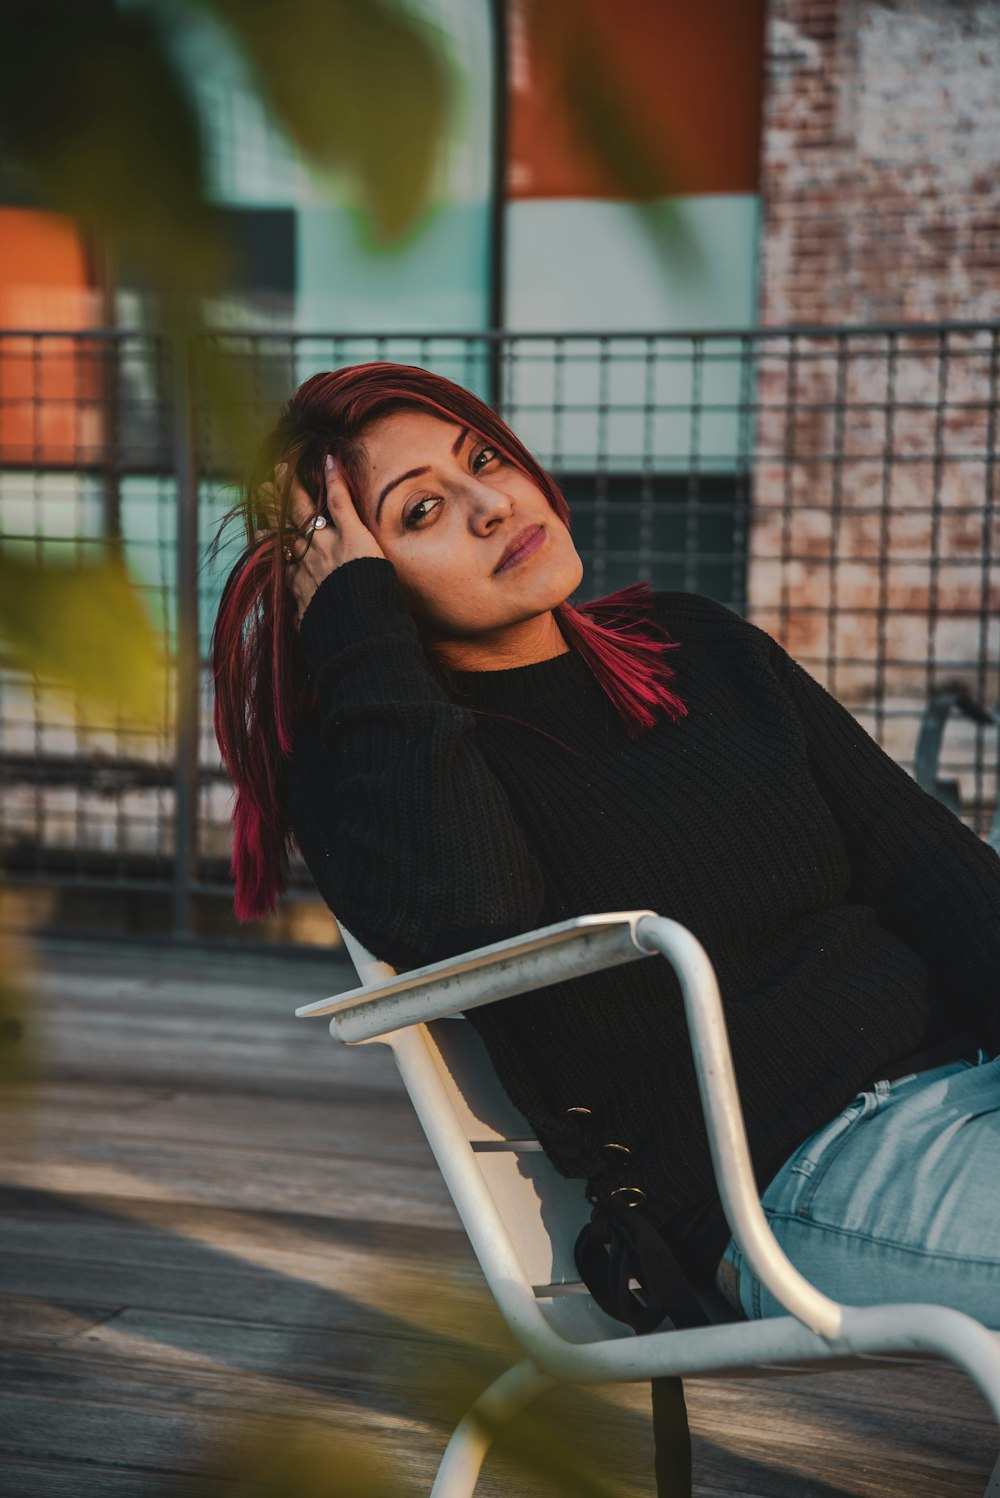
(959, 1047)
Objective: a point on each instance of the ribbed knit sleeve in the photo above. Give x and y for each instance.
(408, 835)
(929, 878)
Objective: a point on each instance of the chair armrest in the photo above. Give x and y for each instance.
(727, 1137)
(521, 964)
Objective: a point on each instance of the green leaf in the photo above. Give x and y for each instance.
(608, 125)
(84, 631)
(363, 88)
(285, 1455)
(97, 123)
(18, 1061)
(96, 120)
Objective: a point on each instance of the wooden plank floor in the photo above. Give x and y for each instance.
(211, 1215)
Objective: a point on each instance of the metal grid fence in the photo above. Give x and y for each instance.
(837, 485)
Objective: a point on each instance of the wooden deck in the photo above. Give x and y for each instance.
(210, 1214)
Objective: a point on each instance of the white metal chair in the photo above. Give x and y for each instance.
(522, 1217)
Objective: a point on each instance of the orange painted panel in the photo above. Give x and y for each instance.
(685, 76)
(50, 388)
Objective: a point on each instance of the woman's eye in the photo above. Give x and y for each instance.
(419, 512)
(483, 458)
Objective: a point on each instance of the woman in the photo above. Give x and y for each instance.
(461, 755)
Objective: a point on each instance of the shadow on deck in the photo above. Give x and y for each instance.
(208, 1211)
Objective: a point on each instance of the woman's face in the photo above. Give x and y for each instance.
(475, 545)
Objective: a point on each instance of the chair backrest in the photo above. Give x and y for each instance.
(368, 968)
(956, 699)
(542, 1212)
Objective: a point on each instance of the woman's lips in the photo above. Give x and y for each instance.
(524, 544)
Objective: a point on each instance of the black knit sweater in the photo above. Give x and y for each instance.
(852, 920)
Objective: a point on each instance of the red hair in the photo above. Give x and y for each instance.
(263, 688)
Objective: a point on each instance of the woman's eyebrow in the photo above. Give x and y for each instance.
(415, 473)
(411, 473)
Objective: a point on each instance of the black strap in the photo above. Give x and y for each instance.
(672, 1439)
(620, 1244)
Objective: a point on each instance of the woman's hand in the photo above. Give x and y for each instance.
(343, 537)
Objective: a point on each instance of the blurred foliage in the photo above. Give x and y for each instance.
(607, 124)
(97, 123)
(362, 88)
(17, 1057)
(275, 1456)
(537, 1447)
(292, 1457)
(97, 120)
(83, 631)
(556, 1439)
(325, 1451)
(82, 628)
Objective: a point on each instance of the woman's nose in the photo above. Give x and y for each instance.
(487, 507)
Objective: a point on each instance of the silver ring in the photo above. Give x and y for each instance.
(317, 523)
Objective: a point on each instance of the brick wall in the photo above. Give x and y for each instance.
(880, 166)
(875, 527)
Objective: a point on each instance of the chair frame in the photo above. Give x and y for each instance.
(401, 1010)
(951, 699)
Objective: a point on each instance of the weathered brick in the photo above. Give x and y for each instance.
(885, 114)
(874, 522)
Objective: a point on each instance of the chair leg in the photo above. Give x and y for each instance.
(993, 1486)
(470, 1441)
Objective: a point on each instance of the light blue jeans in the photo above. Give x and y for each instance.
(895, 1199)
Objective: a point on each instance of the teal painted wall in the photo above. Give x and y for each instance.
(438, 276)
(684, 264)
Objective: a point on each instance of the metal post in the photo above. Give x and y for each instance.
(498, 205)
(109, 356)
(187, 647)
